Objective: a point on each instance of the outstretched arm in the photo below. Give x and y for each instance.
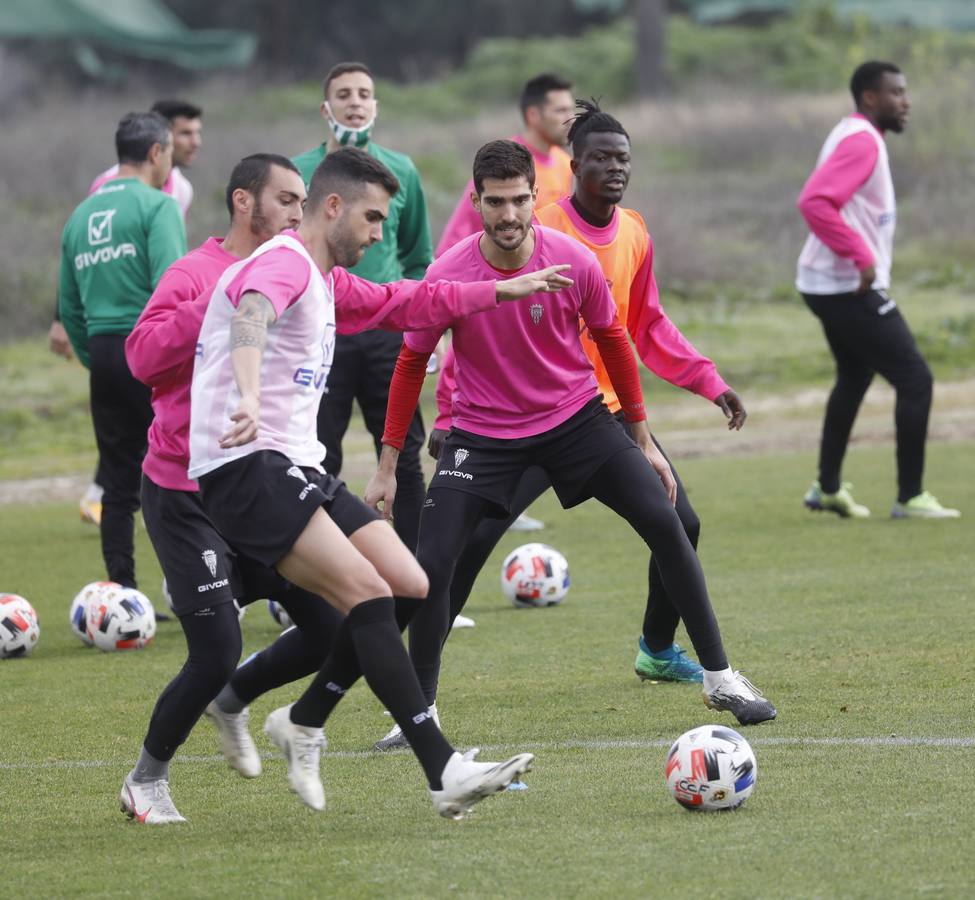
(248, 338)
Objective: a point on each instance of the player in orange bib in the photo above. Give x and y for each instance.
(618, 236)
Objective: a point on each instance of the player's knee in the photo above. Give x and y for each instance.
(692, 527)
(412, 582)
(363, 583)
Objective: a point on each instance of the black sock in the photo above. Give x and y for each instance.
(386, 667)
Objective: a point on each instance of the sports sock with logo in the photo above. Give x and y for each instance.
(378, 645)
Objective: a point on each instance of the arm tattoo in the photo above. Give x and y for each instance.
(248, 327)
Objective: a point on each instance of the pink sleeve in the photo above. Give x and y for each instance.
(99, 181)
(830, 188)
(281, 275)
(445, 391)
(659, 343)
(463, 221)
(164, 338)
(361, 305)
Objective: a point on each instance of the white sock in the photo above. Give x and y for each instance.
(713, 679)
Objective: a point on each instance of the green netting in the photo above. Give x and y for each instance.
(952, 14)
(140, 28)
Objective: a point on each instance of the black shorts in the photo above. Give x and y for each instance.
(262, 502)
(571, 453)
(200, 567)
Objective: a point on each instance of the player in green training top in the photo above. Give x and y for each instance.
(114, 250)
(363, 364)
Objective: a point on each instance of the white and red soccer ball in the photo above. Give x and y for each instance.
(120, 618)
(711, 768)
(535, 575)
(19, 628)
(78, 613)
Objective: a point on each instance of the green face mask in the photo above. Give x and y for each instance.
(350, 137)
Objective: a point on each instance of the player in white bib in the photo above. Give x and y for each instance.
(263, 357)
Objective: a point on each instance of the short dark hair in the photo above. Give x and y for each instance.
(345, 172)
(136, 133)
(253, 172)
(867, 77)
(502, 160)
(591, 120)
(536, 89)
(171, 109)
(339, 69)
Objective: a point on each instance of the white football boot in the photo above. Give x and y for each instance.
(302, 747)
(148, 802)
(465, 781)
(739, 696)
(236, 743)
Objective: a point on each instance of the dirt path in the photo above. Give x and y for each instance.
(687, 427)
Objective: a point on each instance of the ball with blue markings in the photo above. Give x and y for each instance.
(711, 768)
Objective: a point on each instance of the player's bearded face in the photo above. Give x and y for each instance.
(506, 208)
(279, 205)
(555, 116)
(359, 225)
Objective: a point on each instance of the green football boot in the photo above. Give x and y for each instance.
(923, 506)
(841, 503)
(672, 665)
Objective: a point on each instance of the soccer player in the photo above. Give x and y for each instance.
(264, 196)
(541, 408)
(844, 276)
(363, 363)
(186, 125)
(546, 108)
(265, 350)
(619, 239)
(186, 122)
(114, 249)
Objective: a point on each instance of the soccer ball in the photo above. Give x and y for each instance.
(535, 575)
(279, 614)
(78, 614)
(19, 629)
(121, 619)
(711, 768)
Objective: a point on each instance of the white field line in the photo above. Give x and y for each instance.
(882, 742)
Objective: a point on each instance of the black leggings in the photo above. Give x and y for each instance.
(629, 486)
(867, 334)
(660, 618)
(213, 643)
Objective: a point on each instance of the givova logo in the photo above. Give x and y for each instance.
(100, 227)
(100, 236)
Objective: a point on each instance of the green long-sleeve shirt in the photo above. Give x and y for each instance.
(114, 249)
(406, 248)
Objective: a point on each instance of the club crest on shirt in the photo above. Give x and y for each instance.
(535, 311)
(459, 457)
(295, 472)
(210, 560)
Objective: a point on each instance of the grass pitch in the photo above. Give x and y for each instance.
(861, 633)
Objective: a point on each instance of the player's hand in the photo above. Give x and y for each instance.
(245, 419)
(733, 409)
(546, 280)
(435, 442)
(57, 339)
(382, 490)
(640, 432)
(867, 277)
